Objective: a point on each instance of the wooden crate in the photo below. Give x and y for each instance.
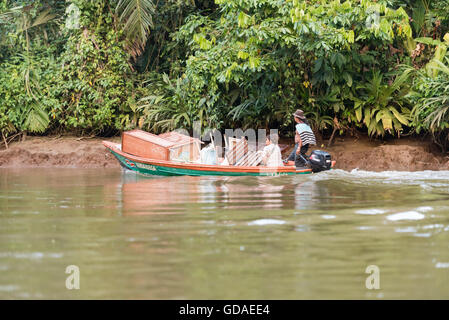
(146, 145)
(166, 146)
(184, 148)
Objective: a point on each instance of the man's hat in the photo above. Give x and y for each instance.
(299, 114)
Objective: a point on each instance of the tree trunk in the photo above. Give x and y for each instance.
(332, 137)
(4, 140)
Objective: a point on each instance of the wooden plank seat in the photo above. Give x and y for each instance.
(237, 149)
(250, 159)
(238, 154)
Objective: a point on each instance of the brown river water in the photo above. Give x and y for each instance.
(303, 237)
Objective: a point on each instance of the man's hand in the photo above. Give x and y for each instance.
(298, 151)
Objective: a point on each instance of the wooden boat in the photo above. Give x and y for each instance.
(150, 167)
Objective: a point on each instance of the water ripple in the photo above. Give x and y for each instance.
(371, 211)
(408, 215)
(264, 222)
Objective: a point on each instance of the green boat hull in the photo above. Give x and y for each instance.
(158, 170)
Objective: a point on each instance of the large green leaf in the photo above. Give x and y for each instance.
(348, 78)
(387, 120)
(399, 116)
(358, 114)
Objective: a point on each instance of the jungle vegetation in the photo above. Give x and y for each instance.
(95, 67)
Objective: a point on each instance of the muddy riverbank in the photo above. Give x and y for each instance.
(58, 152)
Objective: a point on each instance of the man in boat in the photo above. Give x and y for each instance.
(271, 154)
(304, 137)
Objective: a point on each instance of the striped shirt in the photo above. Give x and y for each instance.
(306, 134)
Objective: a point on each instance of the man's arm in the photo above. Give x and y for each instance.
(299, 141)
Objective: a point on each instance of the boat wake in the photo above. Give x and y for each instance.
(424, 179)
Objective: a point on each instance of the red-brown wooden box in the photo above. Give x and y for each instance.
(146, 145)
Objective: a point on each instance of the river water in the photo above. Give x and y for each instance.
(303, 237)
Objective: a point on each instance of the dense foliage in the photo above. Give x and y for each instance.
(96, 67)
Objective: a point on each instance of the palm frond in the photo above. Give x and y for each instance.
(37, 120)
(25, 23)
(441, 67)
(7, 16)
(137, 20)
(401, 79)
(43, 18)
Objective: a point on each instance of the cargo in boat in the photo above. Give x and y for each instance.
(175, 154)
(168, 146)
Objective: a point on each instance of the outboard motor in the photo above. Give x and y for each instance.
(320, 161)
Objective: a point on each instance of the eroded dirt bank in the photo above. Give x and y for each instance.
(403, 154)
(58, 152)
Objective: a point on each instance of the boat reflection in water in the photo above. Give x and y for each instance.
(174, 195)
